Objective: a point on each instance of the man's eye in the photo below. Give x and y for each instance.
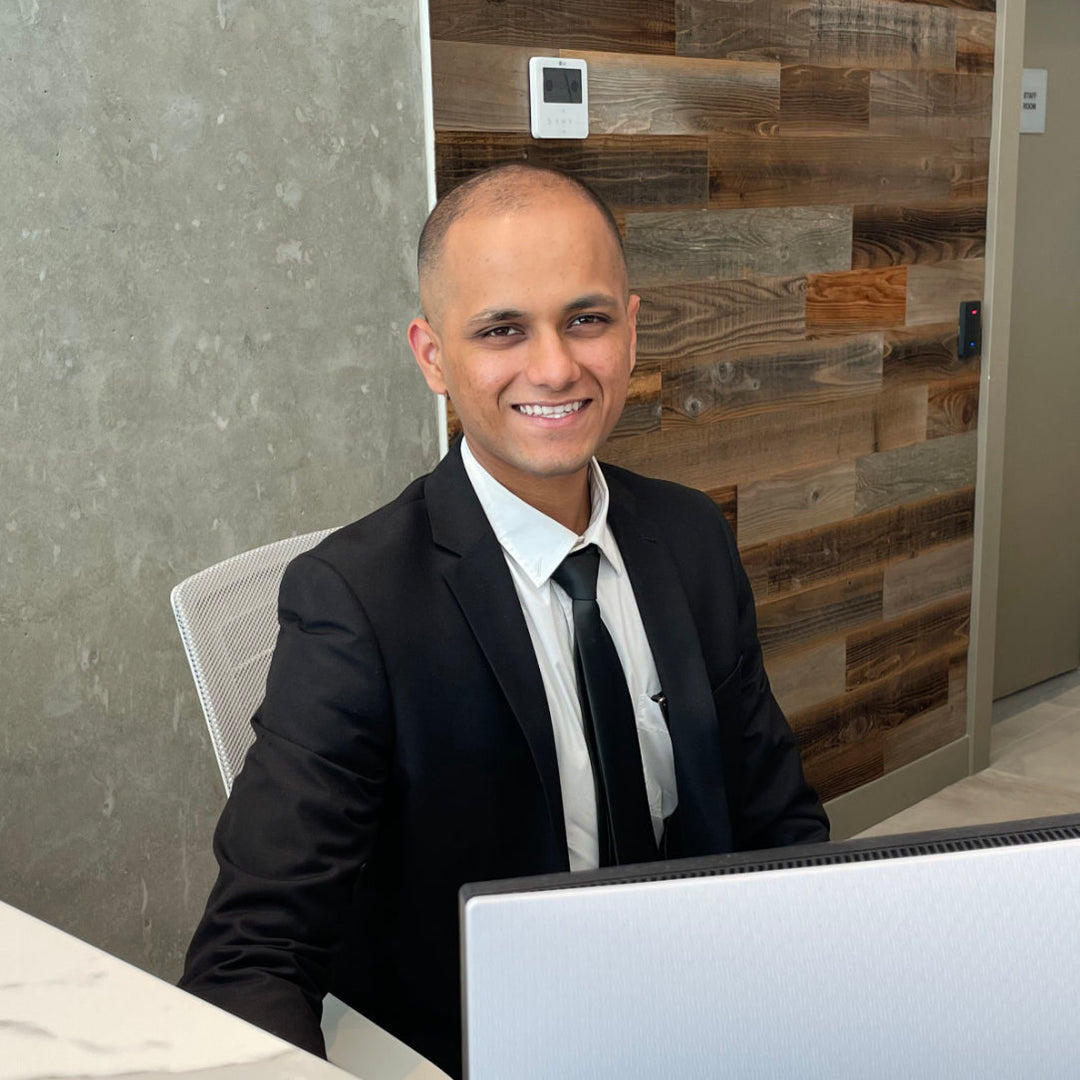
(589, 318)
(501, 332)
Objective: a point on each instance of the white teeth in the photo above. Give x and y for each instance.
(554, 411)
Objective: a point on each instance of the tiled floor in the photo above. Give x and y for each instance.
(1034, 765)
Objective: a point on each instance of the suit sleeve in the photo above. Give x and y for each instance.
(772, 804)
(302, 817)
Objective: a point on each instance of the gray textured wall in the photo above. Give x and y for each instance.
(207, 210)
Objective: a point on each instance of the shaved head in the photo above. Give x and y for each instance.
(505, 189)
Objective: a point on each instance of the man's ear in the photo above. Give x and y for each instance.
(427, 349)
(632, 306)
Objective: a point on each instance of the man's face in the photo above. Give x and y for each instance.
(532, 336)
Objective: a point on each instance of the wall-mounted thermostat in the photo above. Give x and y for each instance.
(559, 97)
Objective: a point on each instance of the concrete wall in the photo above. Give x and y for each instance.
(1038, 618)
(206, 226)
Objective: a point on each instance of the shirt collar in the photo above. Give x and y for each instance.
(536, 542)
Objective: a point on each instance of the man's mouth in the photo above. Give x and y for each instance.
(553, 412)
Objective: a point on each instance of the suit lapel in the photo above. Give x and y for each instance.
(481, 583)
(704, 826)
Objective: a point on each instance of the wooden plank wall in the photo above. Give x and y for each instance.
(802, 189)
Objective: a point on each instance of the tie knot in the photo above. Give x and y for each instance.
(576, 574)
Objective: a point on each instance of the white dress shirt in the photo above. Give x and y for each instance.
(534, 545)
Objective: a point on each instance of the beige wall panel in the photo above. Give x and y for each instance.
(740, 382)
(934, 575)
(791, 502)
(1038, 613)
(802, 679)
(700, 245)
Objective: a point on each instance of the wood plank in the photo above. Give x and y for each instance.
(969, 5)
(645, 26)
(856, 301)
(882, 34)
(808, 677)
(749, 448)
(641, 413)
(842, 769)
(747, 30)
(796, 620)
(908, 473)
(975, 37)
(929, 577)
(643, 172)
(706, 387)
(900, 417)
(480, 87)
(894, 646)
(936, 291)
(901, 235)
(971, 169)
(703, 245)
(727, 499)
(792, 502)
(952, 407)
(824, 101)
(709, 317)
(831, 171)
(924, 354)
(922, 735)
(871, 710)
(631, 94)
(896, 535)
(940, 104)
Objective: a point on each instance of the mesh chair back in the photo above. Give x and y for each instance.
(227, 617)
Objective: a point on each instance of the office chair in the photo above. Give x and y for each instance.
(227, 616)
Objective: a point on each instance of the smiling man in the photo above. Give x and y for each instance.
(526, 663)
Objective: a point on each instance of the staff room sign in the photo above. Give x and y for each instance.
(1033, 111)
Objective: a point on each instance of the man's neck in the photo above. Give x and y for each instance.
(566, 499)
(563, 498)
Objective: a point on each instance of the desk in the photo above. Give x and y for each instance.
(68, 1009)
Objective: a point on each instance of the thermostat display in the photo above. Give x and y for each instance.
(559, 98)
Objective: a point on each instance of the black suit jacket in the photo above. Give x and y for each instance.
(404, 748)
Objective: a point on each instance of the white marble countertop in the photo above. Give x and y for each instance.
(69, 1010)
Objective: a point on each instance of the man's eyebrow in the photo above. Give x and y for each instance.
(495, 315)
(581, 303)
(592, 300)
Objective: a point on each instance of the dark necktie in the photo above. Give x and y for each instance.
(622, 806)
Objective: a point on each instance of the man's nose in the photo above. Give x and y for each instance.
(551, 363)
